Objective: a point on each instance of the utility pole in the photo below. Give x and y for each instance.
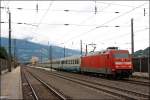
(86, 49)
(95, 7)
(41, 56)
(64, 51)
(0, 47)
(49, 52)
(132, 38)
(51, 56)
(81, 47)
(0, 38)
(9, 59)
(15, 53)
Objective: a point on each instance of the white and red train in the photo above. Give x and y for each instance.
(111, 62)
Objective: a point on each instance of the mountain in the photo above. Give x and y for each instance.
(26, 49)
(142, 53)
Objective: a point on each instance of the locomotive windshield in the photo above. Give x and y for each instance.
(121, 55)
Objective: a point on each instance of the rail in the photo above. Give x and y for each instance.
(32, 89)
(108, 89)
(50, 88)
(136, 82)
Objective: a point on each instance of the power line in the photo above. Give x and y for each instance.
(44, 14)
(89, 18)
(80, 23)
(123, 35)
(105, 23)
(118, 4)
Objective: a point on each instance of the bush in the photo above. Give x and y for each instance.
(3, 53)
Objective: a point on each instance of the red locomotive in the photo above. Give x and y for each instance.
(111, 62)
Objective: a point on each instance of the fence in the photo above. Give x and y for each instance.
(3, 64)
(140, 64)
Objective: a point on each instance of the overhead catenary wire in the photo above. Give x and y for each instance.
(44, 14)
(92, 29)
(118, 4)
(123, 35)
(66, 10)
(71, 24)
(129, 43)
(88, 19)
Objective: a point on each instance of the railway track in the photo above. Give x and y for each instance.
(32, 89)
(136, 82)
(131, 81)
(123, 93)
(51, 91)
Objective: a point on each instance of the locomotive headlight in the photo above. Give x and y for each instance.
(129, 66)
(117, 66)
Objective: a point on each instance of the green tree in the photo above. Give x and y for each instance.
(3, 53)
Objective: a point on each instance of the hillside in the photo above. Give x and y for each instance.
(142, 53)
(26, 49)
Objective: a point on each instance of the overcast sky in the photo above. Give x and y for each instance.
(65, 23)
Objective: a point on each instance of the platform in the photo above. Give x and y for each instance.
(140, 75)
(11, 86)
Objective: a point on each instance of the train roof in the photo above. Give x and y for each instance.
(103, 52)
(66, 58)
(71, 57)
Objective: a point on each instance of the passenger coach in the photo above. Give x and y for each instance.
(111, 62)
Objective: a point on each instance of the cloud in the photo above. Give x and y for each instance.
(83, 23)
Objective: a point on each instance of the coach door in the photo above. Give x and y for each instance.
(108, 64)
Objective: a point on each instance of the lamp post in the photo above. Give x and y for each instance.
(9, 46)
(51, 56)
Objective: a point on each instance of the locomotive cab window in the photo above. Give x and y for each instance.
(121, 55)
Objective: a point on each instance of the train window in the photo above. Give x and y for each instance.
(77, 61)
(121, 55)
